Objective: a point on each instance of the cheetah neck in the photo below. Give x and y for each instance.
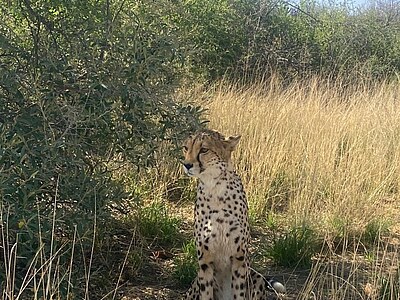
(217, 184)
(213, 179)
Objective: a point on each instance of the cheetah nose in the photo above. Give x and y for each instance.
(188, 166)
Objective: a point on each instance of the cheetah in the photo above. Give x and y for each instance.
(221, 223)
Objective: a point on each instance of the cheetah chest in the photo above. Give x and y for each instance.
(220, 224)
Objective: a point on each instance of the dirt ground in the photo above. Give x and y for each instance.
(346, 270)
(156, 282)
(339, 276)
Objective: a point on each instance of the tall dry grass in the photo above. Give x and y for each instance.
(315, 149)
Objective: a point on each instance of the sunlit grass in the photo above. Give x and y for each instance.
(315, 149)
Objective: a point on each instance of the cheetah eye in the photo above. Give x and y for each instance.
(203, 150)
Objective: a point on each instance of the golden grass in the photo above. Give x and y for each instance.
(314, 149)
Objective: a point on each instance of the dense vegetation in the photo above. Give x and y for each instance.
(88, 95)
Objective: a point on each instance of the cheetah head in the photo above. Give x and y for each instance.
(208, 153)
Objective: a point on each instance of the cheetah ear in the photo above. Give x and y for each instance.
(232, 141)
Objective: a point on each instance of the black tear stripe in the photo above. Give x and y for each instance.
(200, 137)
(200, 164)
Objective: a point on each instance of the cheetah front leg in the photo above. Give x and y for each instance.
(194, 292)
(240, 269)
(202, 287)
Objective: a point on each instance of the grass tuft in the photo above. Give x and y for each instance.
(295, 248)
(375, 230)
(186, 265)
(157, 225)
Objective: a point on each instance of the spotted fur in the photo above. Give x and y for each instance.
(221, 223)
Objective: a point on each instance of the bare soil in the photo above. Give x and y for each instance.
(350, 275)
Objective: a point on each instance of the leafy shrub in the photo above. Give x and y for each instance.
(315, 38)
(84, 89)
(215, 47)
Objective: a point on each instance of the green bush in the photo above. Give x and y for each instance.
(213, 47)
(315, 38)
(85, 88)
